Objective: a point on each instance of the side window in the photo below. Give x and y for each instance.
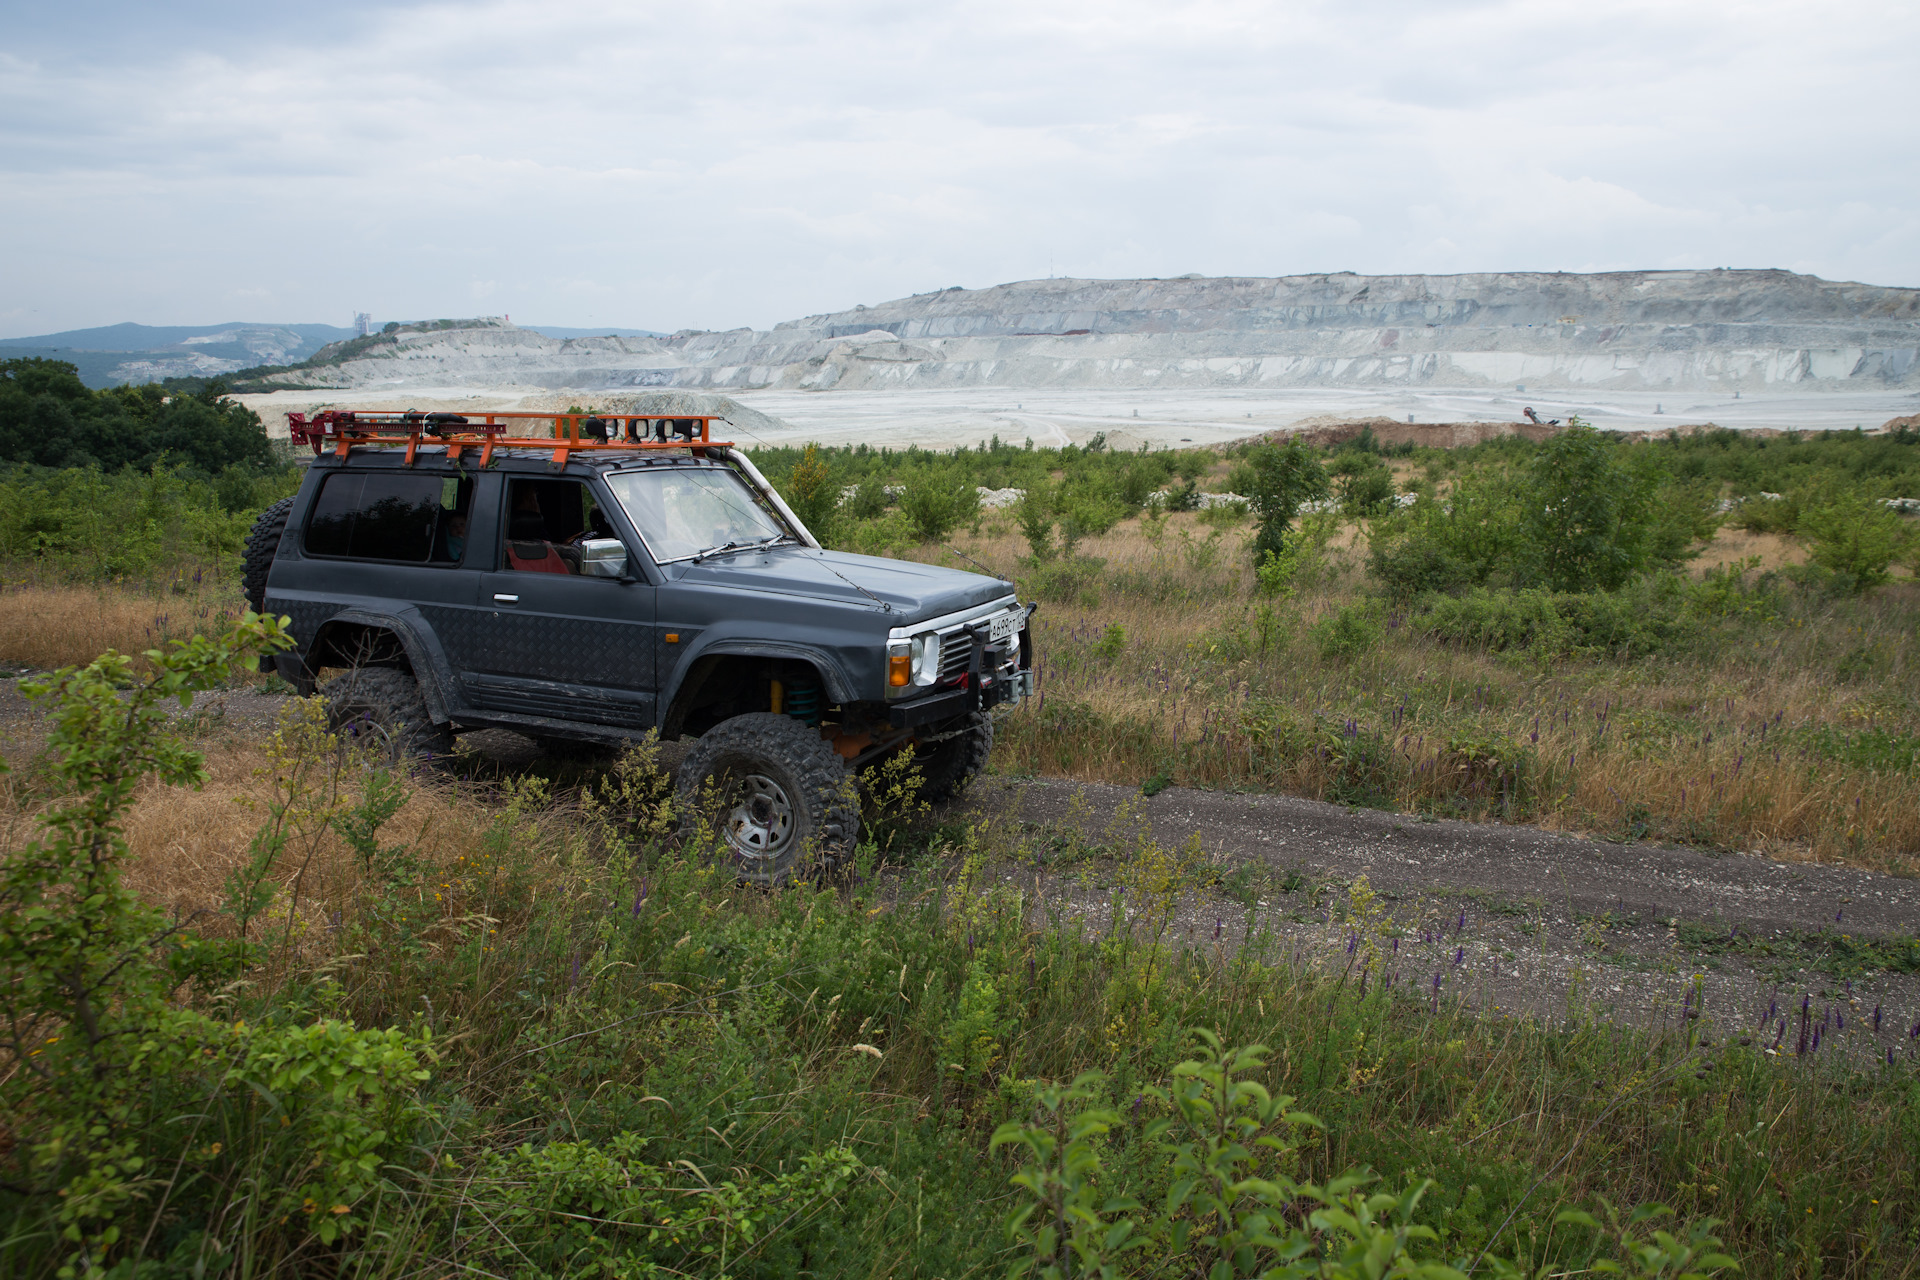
(390, 516)
(546, 522)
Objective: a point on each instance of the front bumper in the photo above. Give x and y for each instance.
(1009, 689)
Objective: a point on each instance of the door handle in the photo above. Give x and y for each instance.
(505, 599)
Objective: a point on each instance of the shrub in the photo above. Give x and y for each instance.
(1352, 631)
(1768, 515)
(1362, 483)
(1034, 512)
(1855, 539)
(1495, 620)
(1068, 580)
(89, 975)
(1651, 616)
(869, 500)
(935, 502)
(1278, 479)
(1443, 546)
(811, 493)
(1589, 514)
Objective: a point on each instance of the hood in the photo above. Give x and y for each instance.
(915, 590)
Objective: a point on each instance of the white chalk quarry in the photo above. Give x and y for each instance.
(1683, 331)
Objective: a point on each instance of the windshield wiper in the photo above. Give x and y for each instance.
(732, 547)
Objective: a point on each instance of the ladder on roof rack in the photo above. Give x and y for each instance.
(342, 429)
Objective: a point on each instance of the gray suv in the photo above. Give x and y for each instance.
(629, 575)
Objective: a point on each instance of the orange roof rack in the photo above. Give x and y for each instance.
(570, 433)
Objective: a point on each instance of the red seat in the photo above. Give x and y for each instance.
(535, 557)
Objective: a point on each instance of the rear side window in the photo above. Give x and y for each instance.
(390, 516)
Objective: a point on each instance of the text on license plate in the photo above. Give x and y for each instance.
(1003, 626)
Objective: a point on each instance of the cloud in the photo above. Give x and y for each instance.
(743, 163)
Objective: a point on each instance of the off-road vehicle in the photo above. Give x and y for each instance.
(627, 574)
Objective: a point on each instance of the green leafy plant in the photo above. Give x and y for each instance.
(1064, 1224)
(1855, 539)
(87, 972)
(935, 502)
(1279, 478)
(1348, 633)
(812, 494)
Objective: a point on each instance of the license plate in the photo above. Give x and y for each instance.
(1003, 627)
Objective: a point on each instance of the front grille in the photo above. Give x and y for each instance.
(956, 654)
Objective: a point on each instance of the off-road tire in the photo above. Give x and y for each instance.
(384, 708)
(263, 543)
(951, 763)
(779, 795)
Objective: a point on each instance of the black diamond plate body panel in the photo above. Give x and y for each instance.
(571, 650)
(307, 615)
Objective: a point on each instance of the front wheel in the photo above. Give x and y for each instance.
(771, 790)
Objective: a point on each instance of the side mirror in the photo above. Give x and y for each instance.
(603, 558)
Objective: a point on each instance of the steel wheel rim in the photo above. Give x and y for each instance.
(760, 823)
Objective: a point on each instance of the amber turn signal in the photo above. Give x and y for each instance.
(899, 670)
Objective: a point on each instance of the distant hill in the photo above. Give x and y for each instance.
(119, 353)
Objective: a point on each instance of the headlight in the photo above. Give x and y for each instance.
(926, 657)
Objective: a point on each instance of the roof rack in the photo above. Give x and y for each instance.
(571, 433)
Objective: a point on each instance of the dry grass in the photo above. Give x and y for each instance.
(44, 626)
(1710, 747)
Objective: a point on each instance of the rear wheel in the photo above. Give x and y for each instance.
(383, 709)
(960, 753)
(263, 543)
(772, 792)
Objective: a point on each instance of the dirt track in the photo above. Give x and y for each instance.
(1513, 918)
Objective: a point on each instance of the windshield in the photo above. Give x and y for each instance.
(684, 511)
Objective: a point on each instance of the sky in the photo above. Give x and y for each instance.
(730, 163)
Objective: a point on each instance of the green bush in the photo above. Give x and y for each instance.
(1034, 512)
(1068, 580)
(1362, 482)
(1352, 631)
(125, 1085)
(936, 501)
(1450, 544)
(1768, 515)
(1495, 620)
(1855, 539)
(869, 500)
(811, 492)
(1278, 479)
(1651, 616)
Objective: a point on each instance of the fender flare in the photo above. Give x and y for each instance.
(688, 675)
(428, 663)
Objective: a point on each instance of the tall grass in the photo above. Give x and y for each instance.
(599, 1006)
